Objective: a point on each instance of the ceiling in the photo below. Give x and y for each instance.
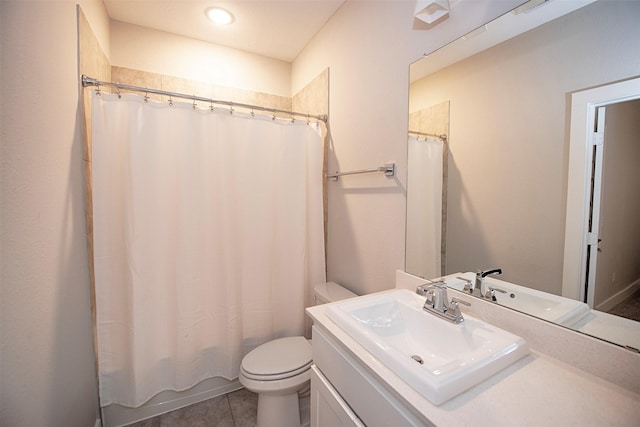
(277, 29)
(524, 18)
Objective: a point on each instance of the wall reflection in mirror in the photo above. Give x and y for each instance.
(504, 106)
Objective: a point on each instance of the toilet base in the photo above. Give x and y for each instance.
(278, 410)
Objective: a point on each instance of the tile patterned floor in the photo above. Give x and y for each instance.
(236, 409)
(629, 308)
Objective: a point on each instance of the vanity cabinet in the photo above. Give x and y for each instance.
(327, 407)
(344, 393)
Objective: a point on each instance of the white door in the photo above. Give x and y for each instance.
(593, 231)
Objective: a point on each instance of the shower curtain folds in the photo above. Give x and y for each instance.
(208, 235)
(424, 205)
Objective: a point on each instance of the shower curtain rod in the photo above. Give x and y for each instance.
(429, 135)
(88, 81)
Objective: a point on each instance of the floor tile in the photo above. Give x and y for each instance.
(151, 422)
(236, 409)
(629, 308)
(212, 412)
(244, 407)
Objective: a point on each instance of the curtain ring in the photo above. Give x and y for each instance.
(211, 106)
(118, 92)
(274, 115)
(146, 97)
(170, 101)
(231, 108)
(194, 103)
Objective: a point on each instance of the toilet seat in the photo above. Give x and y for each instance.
(274, 377)
(278, 359)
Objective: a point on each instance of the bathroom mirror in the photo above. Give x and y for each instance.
(509, 111)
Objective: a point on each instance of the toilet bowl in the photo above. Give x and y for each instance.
(278, 370)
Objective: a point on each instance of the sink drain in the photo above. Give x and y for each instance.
(418, 359)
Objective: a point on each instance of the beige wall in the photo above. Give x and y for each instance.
(145, 49)
(47, 366)
(509, 138)
(368, 47)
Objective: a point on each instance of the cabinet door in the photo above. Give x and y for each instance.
(327, 407)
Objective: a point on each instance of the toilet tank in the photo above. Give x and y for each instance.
(324, 293)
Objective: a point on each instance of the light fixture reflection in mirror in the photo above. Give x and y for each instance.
(430, 11)
(509, 133)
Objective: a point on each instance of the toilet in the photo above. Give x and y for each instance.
(279, 369)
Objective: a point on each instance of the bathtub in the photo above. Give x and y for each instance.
(117, 415)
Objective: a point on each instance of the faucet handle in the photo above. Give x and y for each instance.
(459, 301)
(431, 298)
(454, 310)
(431, 284)
(467, 283)
(491, 293)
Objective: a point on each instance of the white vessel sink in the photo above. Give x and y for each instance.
(556, 309)
(546, 306)
(437, 358)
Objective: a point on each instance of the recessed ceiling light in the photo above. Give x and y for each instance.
(219, 16)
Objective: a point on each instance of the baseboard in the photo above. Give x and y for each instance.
(618, 297)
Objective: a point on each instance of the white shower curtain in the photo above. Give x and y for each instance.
(424, 207)
(208, 236)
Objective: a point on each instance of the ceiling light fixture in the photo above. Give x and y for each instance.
(430, 11)
(219, 16)
(528, 6)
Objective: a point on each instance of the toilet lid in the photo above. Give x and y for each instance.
(278, 356)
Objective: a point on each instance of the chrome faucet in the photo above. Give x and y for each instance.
(476, 287)
(437, 302)
(479, 288)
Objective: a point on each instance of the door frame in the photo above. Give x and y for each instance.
(584, 105)
(595, 198)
